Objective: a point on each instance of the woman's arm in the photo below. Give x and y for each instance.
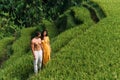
(49, 43)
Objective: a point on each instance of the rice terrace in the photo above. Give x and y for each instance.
(84, 39)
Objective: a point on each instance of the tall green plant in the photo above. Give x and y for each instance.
(23, 12)
(54, 8)
(7, 28)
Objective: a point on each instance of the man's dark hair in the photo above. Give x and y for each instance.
(37, 33)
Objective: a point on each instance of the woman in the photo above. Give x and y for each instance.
(46, 47)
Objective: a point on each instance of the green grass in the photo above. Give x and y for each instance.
(17, 65)
(73, 17)
(98, 10)
(92, 55)
(82, 14)
(3, 44)
(20, 70)
(21, 62)
(5, 48)
(21, 59)
(62, 39)
(86, 52)
(110, 7)
(51, 28)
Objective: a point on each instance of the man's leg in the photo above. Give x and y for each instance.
(36, 62)
(40, 59)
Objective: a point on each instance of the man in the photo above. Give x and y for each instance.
(37, 51)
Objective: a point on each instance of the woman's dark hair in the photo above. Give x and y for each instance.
(42, 34)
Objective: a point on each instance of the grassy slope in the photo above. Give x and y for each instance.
(20, 64)
(66, 36)
(84, 57)
(16, 67)
(111, 7)
(21, 67)
(50, 26)
(92, 55)
(21, 46)
(3, 44)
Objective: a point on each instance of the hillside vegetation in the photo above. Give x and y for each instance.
(82, 48)
(5, 45)
(91, 55)
(111, 8)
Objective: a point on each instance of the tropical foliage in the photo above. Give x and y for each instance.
(82, 48)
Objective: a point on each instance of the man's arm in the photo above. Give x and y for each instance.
(32, 47)
(41, 45)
